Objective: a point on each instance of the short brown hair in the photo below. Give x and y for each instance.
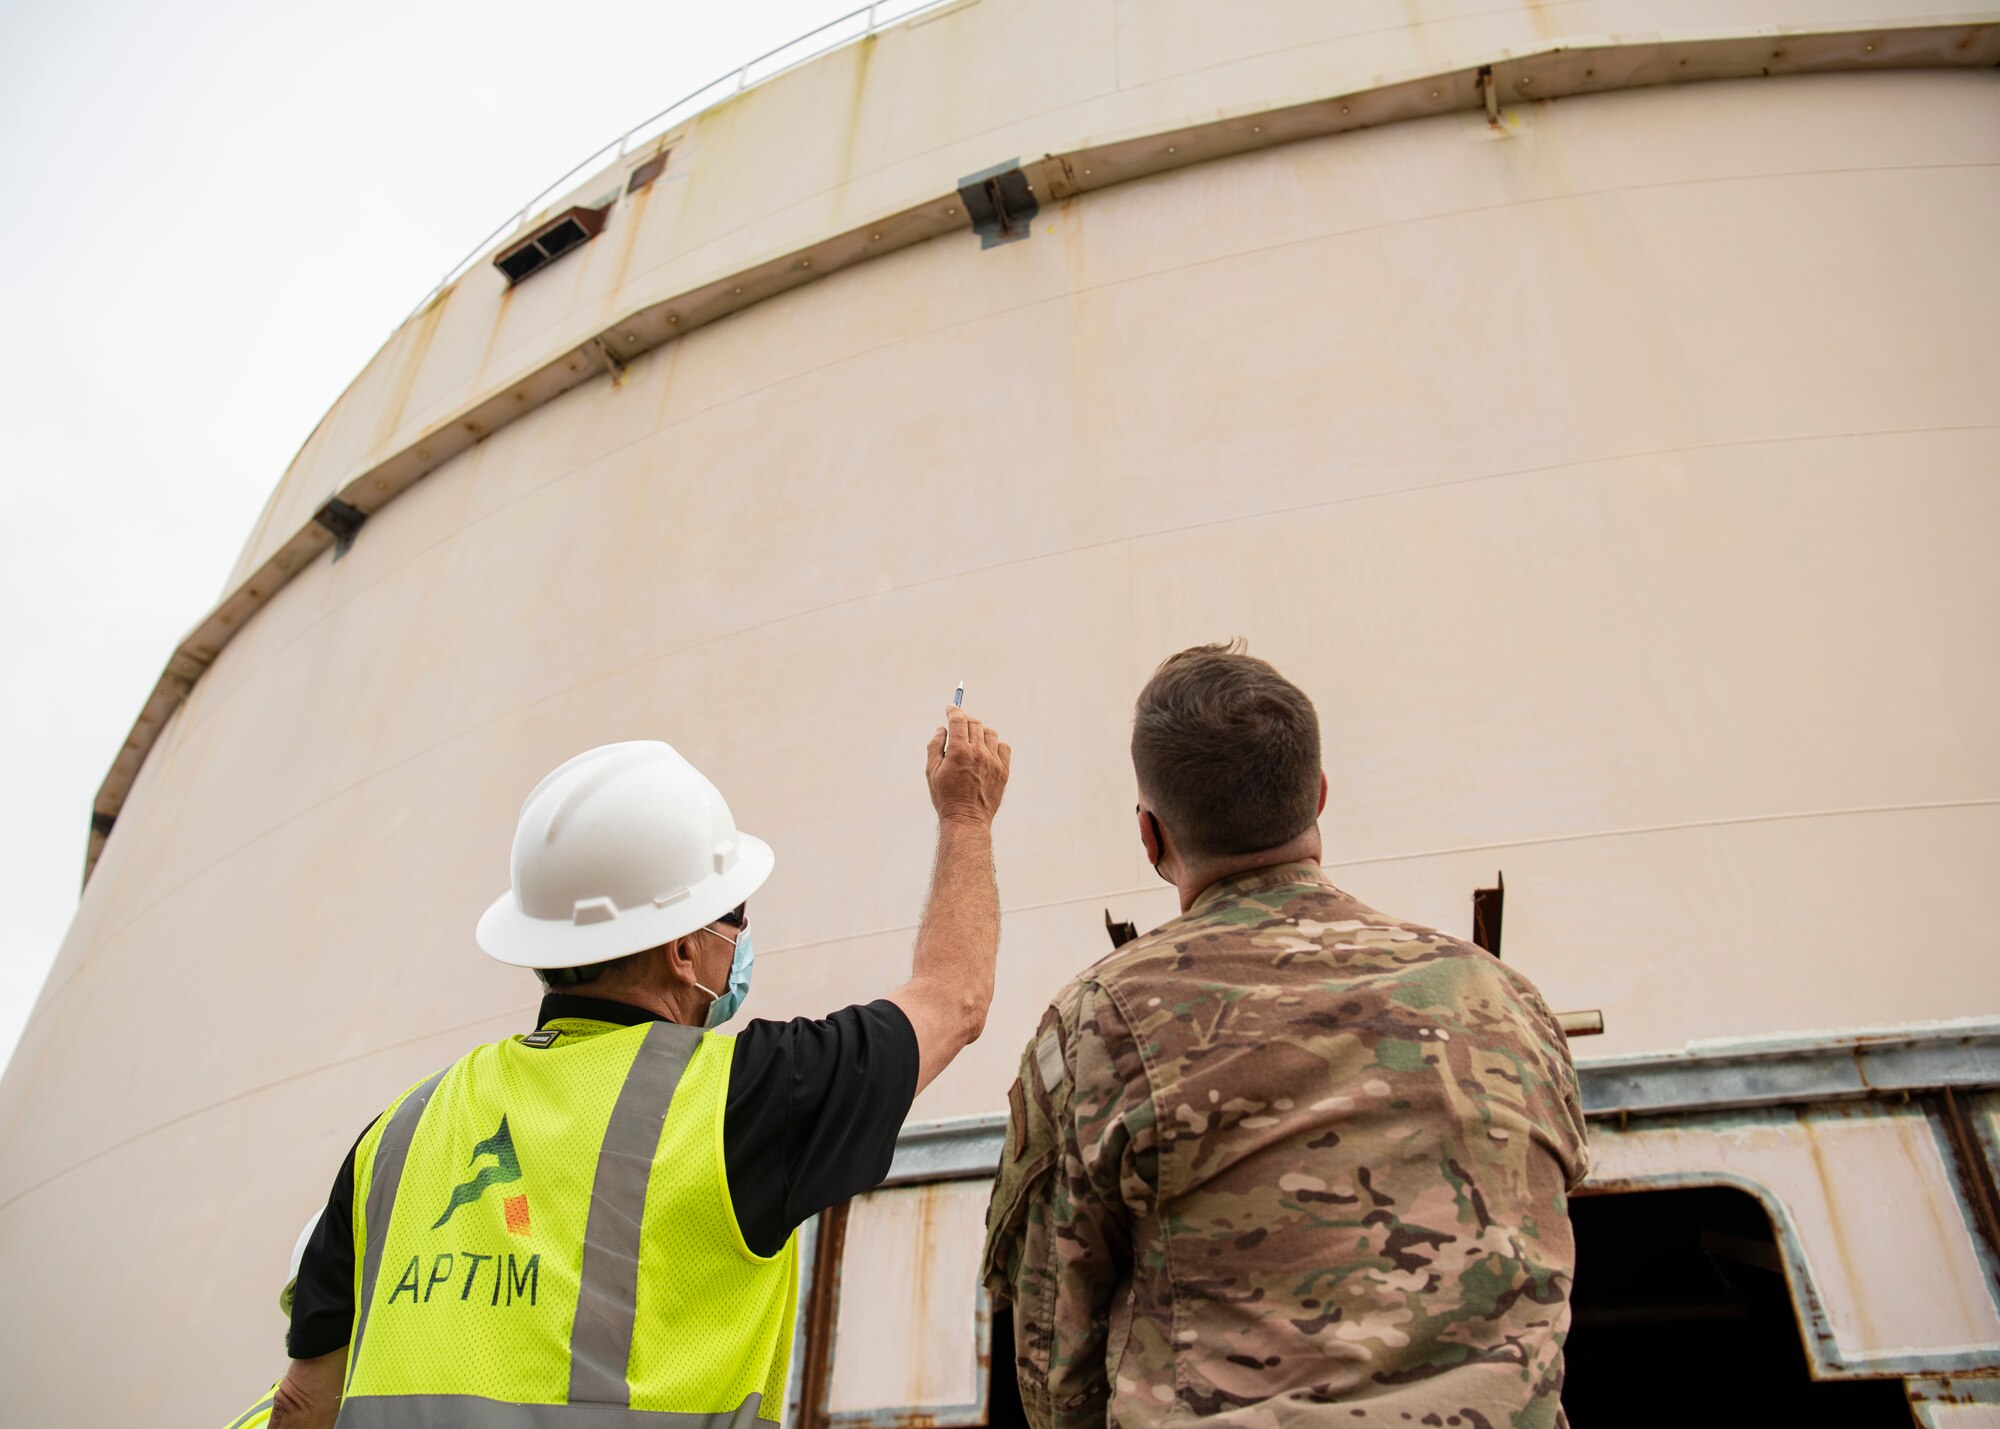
(1227, 752)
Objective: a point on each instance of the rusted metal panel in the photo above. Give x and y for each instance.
(1888, 1274)
(1982, 1109)
(1795, 1070)
(1955, 1401)
(947, 1150)
(1958, 1125)
(820, 1316)
(906, 1301)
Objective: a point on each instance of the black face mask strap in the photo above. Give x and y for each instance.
(1159, 842)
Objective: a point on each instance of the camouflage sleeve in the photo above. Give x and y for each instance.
(1563, 1118)
(1079, 1157)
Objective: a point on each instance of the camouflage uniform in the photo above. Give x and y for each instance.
(1288, 1160)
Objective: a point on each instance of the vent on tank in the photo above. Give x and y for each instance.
(569, 229)
(646, 173)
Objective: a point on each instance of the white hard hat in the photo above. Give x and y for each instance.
(625, 847)
(298, 1258)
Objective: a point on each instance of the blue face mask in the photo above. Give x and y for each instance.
(725, 1004)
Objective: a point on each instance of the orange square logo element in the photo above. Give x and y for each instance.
(517, 1215)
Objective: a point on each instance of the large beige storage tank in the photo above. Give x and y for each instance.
(1592, 405)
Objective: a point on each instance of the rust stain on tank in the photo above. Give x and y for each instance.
(665, 377)
(406, 374)
(1538, 17)
(857, 94)
(1854, 1276)
(629, 223)
(707, 185)
(920, 1293)
(500, 311)
(1947, 1229)
(1822, 1323)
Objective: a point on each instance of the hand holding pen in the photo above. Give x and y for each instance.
(967, 784)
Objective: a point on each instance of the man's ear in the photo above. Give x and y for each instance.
(678, 958)
(1148, 839)
(1322, 795)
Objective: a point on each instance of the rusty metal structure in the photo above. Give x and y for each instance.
(1590, 404)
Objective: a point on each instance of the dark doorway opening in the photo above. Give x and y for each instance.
(1681, 1316)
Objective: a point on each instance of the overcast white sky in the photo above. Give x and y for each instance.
(211, 215)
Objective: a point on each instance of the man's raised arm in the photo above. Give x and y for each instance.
(951, 973)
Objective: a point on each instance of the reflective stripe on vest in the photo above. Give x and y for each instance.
(617, 1266)
(390, 1154)
(256, 1415)
(600, 1343)
(466, 1411)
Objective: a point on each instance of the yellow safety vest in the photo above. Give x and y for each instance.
(257, 1415)
(543, 1236)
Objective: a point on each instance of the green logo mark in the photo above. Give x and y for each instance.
(506, 1167)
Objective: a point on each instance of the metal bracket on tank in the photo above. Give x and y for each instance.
(1000, 202)
(610, 359)
(341, 519)
(1487, 904)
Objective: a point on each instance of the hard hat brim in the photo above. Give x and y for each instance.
(508, 935)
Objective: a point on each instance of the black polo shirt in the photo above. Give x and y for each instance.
(811, 1120)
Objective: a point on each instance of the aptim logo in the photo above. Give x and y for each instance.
(506, 1168)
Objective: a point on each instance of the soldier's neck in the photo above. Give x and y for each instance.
(1191, 883)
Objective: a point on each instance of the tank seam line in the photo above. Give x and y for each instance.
(1635, 830)
(1639, 830)
(884, 932)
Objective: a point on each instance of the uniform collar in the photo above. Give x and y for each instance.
(1258, 880)
(568, 1007)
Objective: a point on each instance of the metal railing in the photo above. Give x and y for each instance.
(843, 30)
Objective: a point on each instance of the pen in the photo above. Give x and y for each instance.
(957, 703)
